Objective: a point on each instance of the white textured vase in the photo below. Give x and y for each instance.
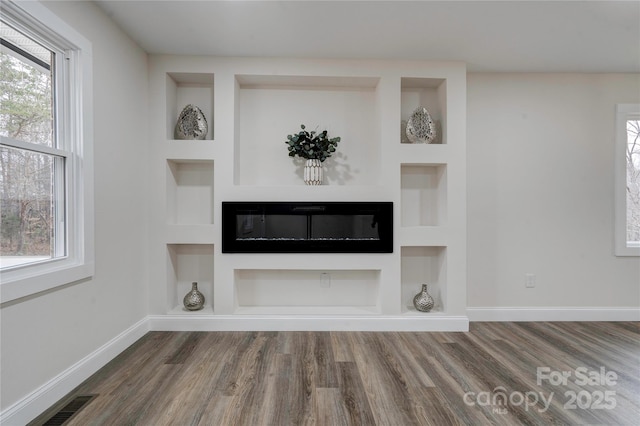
(313, 172)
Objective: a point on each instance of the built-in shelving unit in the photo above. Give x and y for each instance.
(251, 105)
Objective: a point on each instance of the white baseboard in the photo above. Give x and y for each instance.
(553, 314)
(306, 323)
(32, 405)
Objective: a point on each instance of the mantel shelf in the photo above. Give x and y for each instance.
(304, 261)
(309, 193)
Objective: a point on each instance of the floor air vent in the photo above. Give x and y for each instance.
(69, 410)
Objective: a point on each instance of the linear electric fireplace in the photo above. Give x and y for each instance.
(307, 227)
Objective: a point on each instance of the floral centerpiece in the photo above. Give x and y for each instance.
(315, 147)
(311, 145)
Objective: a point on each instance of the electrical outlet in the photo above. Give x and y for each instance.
(529, 280)
(325, 280)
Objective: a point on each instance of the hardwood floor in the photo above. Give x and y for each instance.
(498, 373)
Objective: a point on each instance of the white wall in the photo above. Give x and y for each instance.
(45, 334)
(540, 191)
(540, 200)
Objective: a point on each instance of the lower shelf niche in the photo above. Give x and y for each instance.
(423, 265)
(188, 263)
(280, 291)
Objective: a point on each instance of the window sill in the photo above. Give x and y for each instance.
(628, 250)
(36, 279)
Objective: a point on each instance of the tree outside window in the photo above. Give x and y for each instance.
(633, 181)
(627, 181)
(30, 174)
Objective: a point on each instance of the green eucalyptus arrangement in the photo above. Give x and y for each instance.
(311, 145)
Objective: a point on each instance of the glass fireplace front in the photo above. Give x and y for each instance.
(307, 227)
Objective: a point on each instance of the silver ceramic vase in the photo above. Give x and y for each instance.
(191, 124)
(194, 300)
(423, 300)
(420, 127)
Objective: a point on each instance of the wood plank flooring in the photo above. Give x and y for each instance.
(486, 376)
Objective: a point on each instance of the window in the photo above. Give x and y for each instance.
(627, 191)
(46, 205)
(31, 162)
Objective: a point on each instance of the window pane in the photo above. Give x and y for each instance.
(30, 210)
(26, 99)
(633, 181)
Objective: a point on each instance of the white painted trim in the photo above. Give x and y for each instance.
(197, 322)
(506, 314)
(623, 247)
(32, 405)
(76, 127)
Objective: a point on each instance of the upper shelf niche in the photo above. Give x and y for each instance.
(189, 88)
(430, 93)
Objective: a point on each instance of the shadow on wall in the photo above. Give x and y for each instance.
(337, 169)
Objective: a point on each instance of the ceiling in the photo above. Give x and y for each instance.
(509, 36)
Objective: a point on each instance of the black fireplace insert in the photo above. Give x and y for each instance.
(307, 227)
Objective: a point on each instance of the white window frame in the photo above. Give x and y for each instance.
(623, 247)
(75, 132)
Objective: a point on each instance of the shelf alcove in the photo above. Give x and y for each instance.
(189, 88)
(424, 194)
(271, 107)
(424, 265)
(307, 291)
(430, 93)
(190, 192)
(187, 263)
